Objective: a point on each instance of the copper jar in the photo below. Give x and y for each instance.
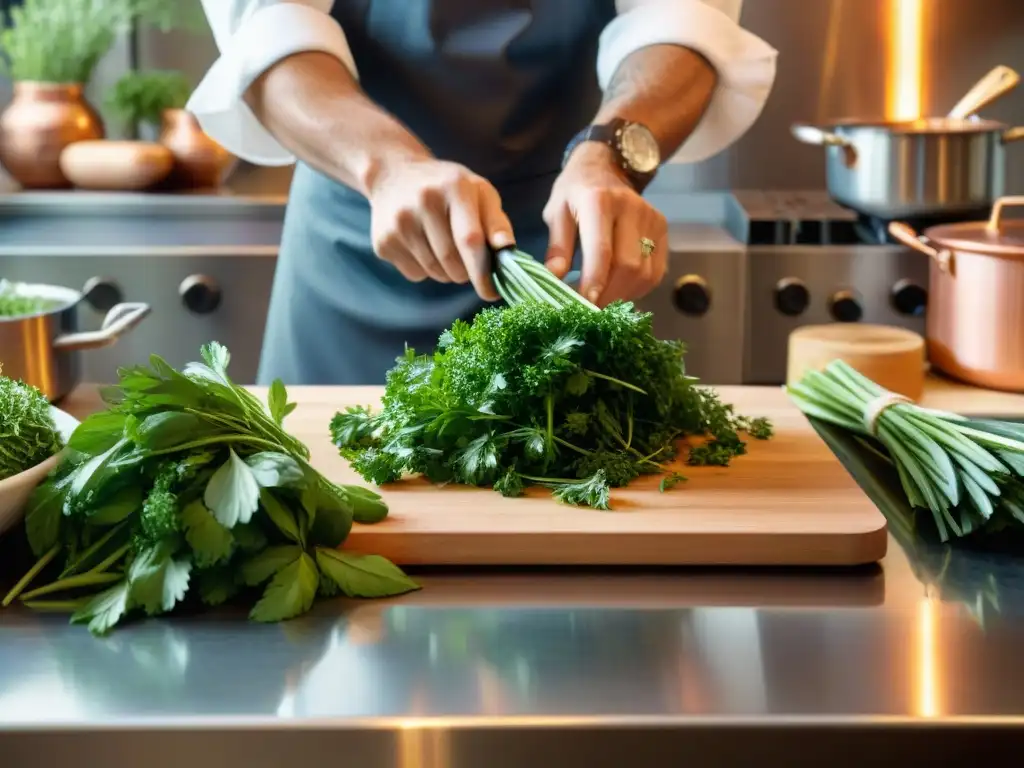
(975, 321)
(199, 161)
(41, 120)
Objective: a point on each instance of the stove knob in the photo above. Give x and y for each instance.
(909, 298)
(692, 295)
(845, 307)
(791, 296)
(200, 294)
(102, 293)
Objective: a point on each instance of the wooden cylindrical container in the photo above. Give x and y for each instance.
(894, 358)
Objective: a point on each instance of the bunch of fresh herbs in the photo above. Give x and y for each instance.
(142, 97)
(547, 391)
(189, 487)
(968, 473)
(28, 435)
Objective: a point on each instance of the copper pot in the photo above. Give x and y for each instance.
(199, 161)
(975, 322)
(41, 120)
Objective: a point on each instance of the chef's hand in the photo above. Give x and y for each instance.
(432, 218)
(592, 196)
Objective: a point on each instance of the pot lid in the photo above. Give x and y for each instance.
(998, 236)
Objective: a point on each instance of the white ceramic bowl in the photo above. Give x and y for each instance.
(15, 491)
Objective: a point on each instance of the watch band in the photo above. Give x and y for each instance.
(608, 134)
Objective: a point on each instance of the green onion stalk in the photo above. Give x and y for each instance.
(519, 277)
(969, 473)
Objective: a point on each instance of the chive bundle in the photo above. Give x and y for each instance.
(969, 473)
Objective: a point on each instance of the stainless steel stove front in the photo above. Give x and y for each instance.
(793, 286)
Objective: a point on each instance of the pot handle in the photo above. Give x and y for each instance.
(1011, 135)
(119, 320)
(906, 235)
(812, 134)
(996, 219)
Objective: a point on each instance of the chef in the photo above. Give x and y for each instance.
(427, 130)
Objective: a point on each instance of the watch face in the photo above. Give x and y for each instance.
(639, 148)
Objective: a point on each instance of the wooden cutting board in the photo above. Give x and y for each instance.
(787, 502)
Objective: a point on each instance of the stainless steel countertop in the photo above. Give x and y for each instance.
(501, 668)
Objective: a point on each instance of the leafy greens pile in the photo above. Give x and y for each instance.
(968, 473)
(547, 391)
(28, 435)
(188, 486)
(15, 303)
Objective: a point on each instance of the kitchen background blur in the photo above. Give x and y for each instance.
(757, 246)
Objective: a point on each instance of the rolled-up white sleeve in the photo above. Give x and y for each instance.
(744, 62)
(252, 36)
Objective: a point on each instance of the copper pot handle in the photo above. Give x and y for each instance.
(119, 320)
(906, 235)
(996, 219)
(1011, 135)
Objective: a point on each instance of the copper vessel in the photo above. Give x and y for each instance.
(41, 120)
(975, 323)
(199, 161)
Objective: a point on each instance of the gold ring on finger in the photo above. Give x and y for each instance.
(646, 246)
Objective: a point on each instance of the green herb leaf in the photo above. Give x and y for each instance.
(167, 429)
(275, 470)
(105, 610)
(210, 541)
(668, 482)
(367, 507)
(333, 519)
(359, 575)
(290, 592)
(98, 433)
(44, 515)
(216, 585)
(280, 516)
(232, 494)
(158, 579)
(277, 400)
(258, 569)
(118, 507)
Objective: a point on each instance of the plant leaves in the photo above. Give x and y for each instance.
(44, 515)
(275, 470)
(98, 433)
(367, 507)
(232, 493)
(158, 579)
(216, 585)
(117, 507)
(258, 569)
(359, 575)
(166, 429)
(333, 519)
(216, 356)
(210, 541)
(290, 593)
(104, 610)
(277, 400)
(280, 516)
(249, 537)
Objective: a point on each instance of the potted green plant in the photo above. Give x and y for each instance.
(50, 51)
(139, 99)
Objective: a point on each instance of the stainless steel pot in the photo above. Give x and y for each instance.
(915, 169)
(975, 320)
(43, 349)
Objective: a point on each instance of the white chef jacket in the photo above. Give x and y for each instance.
(253, 35)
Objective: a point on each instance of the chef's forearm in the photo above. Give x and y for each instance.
(313, 105)
(666, 88)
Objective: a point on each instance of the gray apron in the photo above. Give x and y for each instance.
(500, 86)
